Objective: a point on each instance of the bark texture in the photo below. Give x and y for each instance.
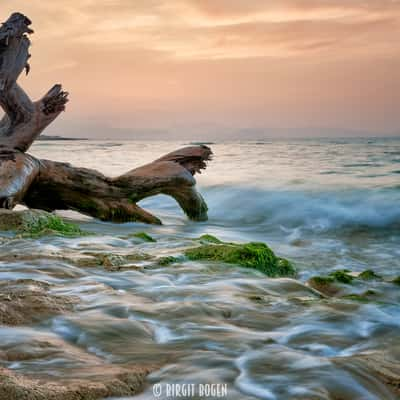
(51, 185)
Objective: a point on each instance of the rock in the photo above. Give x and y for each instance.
(107, 381)
(26, 301)
(86, 377)
(35, 223)
(111, 262)
(168, 260)
(383, 365)
(250, 255)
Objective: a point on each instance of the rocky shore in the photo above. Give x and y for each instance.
(28, 302)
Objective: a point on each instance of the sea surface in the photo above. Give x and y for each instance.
(324, 204)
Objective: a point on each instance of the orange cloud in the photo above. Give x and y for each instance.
(187, 64)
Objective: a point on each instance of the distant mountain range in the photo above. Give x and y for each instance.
(48, 137)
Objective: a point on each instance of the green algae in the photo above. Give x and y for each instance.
(143, 236)
(250, 255)
(369, 275)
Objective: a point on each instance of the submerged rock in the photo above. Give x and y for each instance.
(33, 223)
(109, 261)
(25, 301)
(168, 260)
(250, 255)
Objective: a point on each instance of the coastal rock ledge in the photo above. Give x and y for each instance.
(113, 381)
(25, 302)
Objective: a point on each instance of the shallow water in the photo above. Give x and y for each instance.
(323, 204)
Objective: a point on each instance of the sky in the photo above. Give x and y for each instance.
(217, 69)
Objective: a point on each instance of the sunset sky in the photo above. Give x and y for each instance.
(217, 69)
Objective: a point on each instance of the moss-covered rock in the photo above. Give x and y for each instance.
(209, 239)
(143, 236)
(338, 283)
(324, 284)
(168, 260)
(363, 297)
(138, 256)
(342, 276)
(251, 255)
(396, 281)
(35, 223)
(111, 260)
(369, 275)
(328, 285)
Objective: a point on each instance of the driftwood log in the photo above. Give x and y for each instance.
(50, 185)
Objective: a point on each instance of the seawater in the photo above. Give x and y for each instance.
(324, 204)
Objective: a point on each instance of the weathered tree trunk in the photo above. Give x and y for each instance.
(53, 185)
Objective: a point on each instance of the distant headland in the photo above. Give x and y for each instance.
(49, 137)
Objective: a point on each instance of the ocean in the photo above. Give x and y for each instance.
(324, 204)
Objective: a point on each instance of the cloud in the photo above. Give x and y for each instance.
(223, 29)
(177, 65)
